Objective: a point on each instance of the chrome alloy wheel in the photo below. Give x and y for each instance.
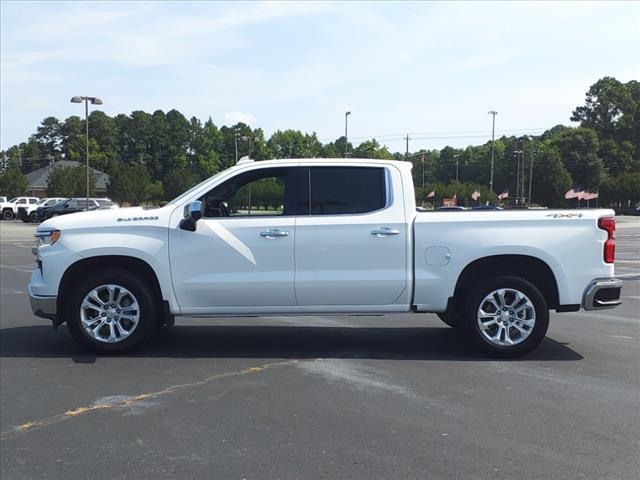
(506, 317)
(109, 313)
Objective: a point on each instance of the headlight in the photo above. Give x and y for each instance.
(47, 237)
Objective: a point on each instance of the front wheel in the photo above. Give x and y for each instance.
(7, 214)
(506, 317)
(111, 311)
(33, 217)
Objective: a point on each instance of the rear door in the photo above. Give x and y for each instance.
(351, 247)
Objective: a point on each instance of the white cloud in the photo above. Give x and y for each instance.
(236, 117)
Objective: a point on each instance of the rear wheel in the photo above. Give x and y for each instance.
(506, 317)
(112, 312)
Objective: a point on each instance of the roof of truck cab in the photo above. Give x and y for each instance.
(347, 161)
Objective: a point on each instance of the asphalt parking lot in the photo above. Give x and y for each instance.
(319, 397)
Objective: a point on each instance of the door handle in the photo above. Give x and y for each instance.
(273, 233)
(385, 231)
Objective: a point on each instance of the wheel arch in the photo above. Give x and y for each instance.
(132, 264)
(531, 269)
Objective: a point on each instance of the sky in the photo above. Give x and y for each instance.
(428, 69)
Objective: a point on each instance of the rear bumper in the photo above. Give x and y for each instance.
(602, 293)
(44, 307)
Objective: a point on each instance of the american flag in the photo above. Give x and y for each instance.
(590, 196)
(431, 194)
(476, 195)
(504, 194)
(575, 192)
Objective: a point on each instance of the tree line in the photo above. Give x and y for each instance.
(152, 157)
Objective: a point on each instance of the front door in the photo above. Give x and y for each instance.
(241, 254)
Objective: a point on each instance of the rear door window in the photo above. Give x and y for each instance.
(347, 190)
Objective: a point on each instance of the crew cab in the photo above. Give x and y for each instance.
(28, 213)
(320, 236)
(10, 209)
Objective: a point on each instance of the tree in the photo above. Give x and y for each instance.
(13, 182)
(551, 180)
(73, 138)
(606, 102)
(206, 141)
(69, 182)
(178, 181)
(578, 148)
(130, 183)
(49, 134)
(372, 149)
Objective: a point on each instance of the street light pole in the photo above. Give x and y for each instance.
(346, 137)
(493, 133)
(94, 101)
(530, 174)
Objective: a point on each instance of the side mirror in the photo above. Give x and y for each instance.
(192, 213)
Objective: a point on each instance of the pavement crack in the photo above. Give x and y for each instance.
(127, 401)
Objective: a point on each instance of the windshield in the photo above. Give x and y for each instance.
(193, 189)
(13, 199)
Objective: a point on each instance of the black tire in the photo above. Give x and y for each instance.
(149, 313)
(469, 318)
(33, 217)
(7, 214)
(451, 319)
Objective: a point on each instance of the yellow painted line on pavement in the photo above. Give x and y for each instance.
(36, 424)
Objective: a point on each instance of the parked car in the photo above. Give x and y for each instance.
(3, 199)
(105, 204)
(324, 236)
(67, 206)
(10, 209)
(29, 213)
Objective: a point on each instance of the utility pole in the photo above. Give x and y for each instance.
(237, 133)
(523, 159)
(531, 173)
(516, 154)
(406, 153)
(423, 170)
(346, 137)
(493, 134)
(456, 157)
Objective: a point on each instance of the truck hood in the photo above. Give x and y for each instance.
(119, 217)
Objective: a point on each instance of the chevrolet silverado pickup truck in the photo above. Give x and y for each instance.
(10, 209)
(320, 236)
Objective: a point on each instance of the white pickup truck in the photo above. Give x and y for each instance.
(312, 236)
(9, 209)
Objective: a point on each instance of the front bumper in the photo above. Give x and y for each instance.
(602, 293)
(43, 306)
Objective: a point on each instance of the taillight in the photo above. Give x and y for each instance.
(609, 225)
